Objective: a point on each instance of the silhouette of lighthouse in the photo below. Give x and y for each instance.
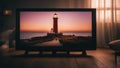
(55, 23)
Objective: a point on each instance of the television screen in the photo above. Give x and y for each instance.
(70, 28)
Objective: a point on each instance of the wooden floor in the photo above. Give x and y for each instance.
(100, 58)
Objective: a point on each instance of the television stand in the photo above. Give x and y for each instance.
(40, 52)
(84, 53)
(54, 52)
(68, 52)
(26, 53)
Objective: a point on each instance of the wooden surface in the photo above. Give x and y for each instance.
(100, 58)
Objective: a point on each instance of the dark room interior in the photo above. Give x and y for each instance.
(106, 53)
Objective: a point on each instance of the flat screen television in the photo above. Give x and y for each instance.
(55, 29)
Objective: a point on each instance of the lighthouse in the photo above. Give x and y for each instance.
(55, 23)
(54, 30)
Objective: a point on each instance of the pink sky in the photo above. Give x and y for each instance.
(67, 21)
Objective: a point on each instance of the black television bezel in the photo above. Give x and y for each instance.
(18, 10)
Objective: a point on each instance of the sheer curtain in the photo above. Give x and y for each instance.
(108, 19)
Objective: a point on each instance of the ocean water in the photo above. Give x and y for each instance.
(28, 35)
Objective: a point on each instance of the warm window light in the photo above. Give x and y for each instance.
(108, 3)
(7, 12)
(104, 9)
(101, 3)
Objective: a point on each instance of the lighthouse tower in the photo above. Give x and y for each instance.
(54, 30)
(55, 23)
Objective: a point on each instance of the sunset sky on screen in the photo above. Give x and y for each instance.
(67, 21)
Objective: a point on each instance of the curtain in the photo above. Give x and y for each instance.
(108, 20)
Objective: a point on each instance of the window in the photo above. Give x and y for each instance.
(107, 10)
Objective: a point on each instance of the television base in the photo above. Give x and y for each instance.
(84, 53)
(26, 52)
(54, 52)
(68, 52)
(40, 52)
